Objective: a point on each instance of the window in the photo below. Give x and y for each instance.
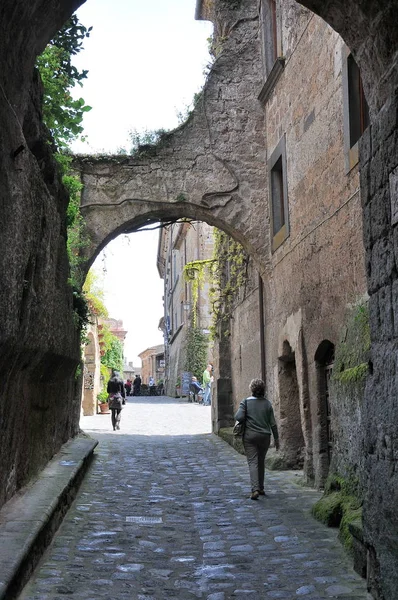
(273, 60)
(269, 33)
(356, 110)
(278, 195)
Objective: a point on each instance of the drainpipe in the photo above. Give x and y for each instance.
(262, 327)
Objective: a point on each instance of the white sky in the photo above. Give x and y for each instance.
(145, 61)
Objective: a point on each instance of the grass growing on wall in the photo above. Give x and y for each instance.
(352, 352)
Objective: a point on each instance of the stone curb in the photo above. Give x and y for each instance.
(30, 519)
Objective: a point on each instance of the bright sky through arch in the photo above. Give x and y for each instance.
(146, 60)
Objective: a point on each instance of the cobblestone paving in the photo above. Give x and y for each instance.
(169, 516)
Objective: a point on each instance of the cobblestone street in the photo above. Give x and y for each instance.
(164, 512)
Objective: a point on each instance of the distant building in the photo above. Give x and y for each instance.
(179, 244)
(130, 371)
(152, 364)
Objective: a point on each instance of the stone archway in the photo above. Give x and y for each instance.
(28, 178)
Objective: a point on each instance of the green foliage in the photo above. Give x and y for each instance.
(340, 506)
(195, 273)
(63, 114)
(81, 311)
(229, 278)
(146, 142)
(102, 397)
(196, 351)
(227, 274)
(113, 356)
(95, 295)
(352, 352)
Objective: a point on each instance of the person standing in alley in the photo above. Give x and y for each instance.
(207, 380)
(127, 386)
(257, 414)
(137, 385)
(117, 394)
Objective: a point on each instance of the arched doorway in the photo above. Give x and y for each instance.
(291, 432)
(91, 373)
(324, 359)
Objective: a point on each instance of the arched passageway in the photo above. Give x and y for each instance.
(33, 221)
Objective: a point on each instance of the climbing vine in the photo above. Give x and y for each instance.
(227, 274)
(196, 351)
(196, 273)
(230, 276)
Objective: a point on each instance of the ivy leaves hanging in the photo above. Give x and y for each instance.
(227, 275)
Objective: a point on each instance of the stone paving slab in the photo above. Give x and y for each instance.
(28, 521)
(169, 516)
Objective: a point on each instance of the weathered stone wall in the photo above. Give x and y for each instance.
(369, 29)
(38, 350)
(319, 268)
(39, 343)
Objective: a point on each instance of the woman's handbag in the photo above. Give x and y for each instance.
(239, 427)
(115, 400)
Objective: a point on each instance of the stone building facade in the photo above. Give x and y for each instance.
(180, 244)
(152, 364)
(211, 169)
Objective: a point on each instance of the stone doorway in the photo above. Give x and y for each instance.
(324, 359)
(291, 431)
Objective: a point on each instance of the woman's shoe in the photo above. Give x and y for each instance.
(255, 495)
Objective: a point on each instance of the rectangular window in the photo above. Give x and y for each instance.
(358, 107)
(356, 110)
(278, 202)
(278, 209)
(269, 33)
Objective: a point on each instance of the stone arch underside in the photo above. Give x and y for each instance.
(29, 183)
(212, 168)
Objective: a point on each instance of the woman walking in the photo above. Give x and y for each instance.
(257, 414)
(116, 391)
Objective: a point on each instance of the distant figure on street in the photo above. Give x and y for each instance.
(196, 389)
(137, 385)
(117, 394)
(127, 386)
(207, 380)
(151, 381)
(258, 415)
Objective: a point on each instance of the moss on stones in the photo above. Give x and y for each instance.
(340, 507)
(352, 352)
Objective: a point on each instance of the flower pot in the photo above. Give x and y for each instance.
(104, 407)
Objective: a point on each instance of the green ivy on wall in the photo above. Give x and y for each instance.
(227, 275)
(196, 348)
(113, 355)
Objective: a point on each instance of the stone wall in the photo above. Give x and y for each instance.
(39, 342)
(212, 173)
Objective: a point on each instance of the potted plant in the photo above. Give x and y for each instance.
(103, 404)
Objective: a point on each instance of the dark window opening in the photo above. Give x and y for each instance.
(358, 107)
(270, 36)
(277, 199)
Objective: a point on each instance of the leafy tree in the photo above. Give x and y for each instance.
(62, 114)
